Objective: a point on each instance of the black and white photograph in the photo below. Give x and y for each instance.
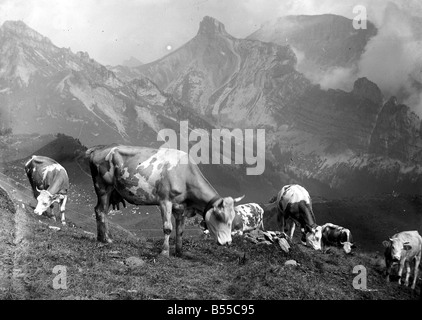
(213, 156)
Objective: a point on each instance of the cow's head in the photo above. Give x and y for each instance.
(396, 247)
(347, 245)
(44, 200)
(313, 238)
(219, 219)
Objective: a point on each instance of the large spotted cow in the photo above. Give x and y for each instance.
(164, 177)
(49, 182)
(403, 248)
(293, 202)
(335, 235)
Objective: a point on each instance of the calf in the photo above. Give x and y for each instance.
(247, 217)
(335, 235)
(164, 177)
(403, 247)
(49, 182)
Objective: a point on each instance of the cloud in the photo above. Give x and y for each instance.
(393, 59)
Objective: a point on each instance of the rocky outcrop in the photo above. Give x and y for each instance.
(398, 133)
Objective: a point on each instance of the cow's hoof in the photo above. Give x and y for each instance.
(406, 283)
(399, 281)
(105, 240)
(63, 223)
(165, 253)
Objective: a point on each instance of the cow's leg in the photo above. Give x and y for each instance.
(50, 213)
(406, 282)
(388, 264)
(101, 209)
(415, 278)
(180, 228)
(166, 207)
(62, 209)
(292, 229)
(402, 262)
(282, 223)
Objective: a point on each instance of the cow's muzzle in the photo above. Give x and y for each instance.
(227, 243)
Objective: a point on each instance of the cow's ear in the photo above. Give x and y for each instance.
(219, 204)
(407, 246)
(386, 243)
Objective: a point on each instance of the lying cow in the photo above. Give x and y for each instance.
(403, 247)
(248, 217)
(164, 177)
(293, 202)
(338, 236)
(49, 182)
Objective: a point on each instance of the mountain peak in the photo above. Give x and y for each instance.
(21, 30)
(367, 89)
(211, 26)
(132, 62)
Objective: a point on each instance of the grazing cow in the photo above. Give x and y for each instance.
(335, 235)
(403, 247)
(49, 182)
(164, 177)
(295, 203)
(247, 217)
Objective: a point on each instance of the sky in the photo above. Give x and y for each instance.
(112, 31)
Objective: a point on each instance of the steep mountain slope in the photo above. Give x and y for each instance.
(229, 79)
(46, 89)
(331, 136)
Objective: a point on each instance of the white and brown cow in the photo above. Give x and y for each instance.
(403, 248)
(49, 182)
(294, 203)
(164, 177)
(333, 234)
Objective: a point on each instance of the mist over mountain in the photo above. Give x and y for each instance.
(336, 142)
(327, 46)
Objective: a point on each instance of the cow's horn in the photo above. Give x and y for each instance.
(238, 199)
(38, 189)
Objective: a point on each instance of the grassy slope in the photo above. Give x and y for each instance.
(207, 271)
(30, 248)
